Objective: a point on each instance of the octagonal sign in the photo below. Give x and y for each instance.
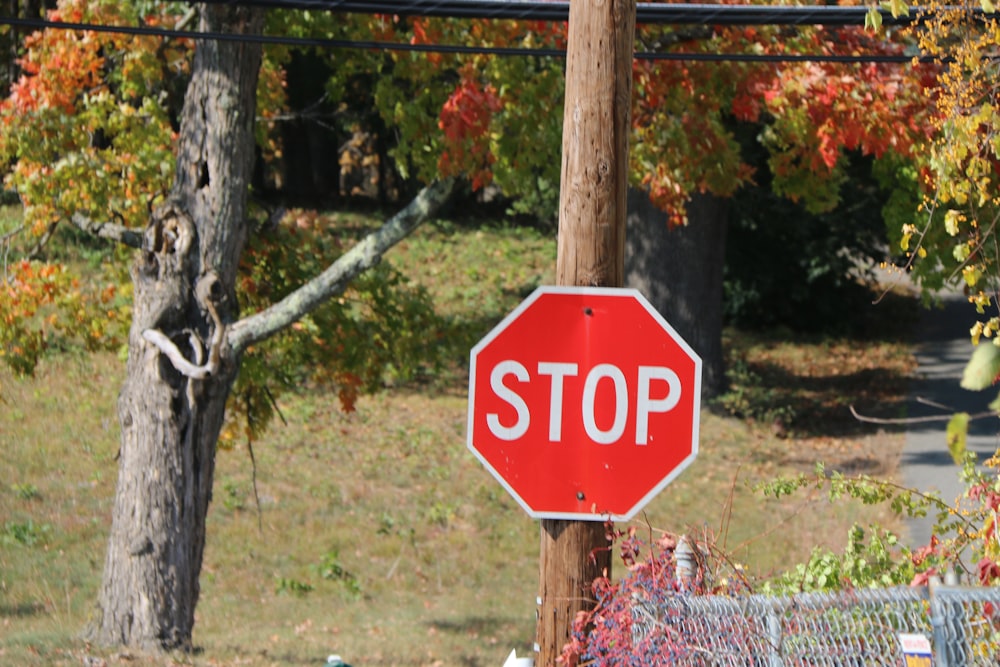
(584, 403)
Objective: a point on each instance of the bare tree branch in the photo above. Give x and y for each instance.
(5, 247)
(366, 254)
(108, 230)
(5, 238)
(199, 370)
(170, 350)
(36, 250)
(915, 420)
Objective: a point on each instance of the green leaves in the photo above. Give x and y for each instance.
(897, 8)
(86, 129)
(956, 434)
(982, 369)
(873, 19)
(381, 330)
(875, 559)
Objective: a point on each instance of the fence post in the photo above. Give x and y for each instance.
(951, 645)
(937, 628)
(685, 559)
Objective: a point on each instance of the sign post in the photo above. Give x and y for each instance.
(591, 252)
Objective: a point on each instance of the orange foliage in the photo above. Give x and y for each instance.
(73, 65)
(683, 110)
(869, 107)
(465, 121)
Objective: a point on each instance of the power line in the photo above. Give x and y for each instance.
(558, 10)
(323, 43)
(544, 10)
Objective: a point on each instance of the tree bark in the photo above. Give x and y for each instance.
(591, 253)
(573, 554)
(185, 288)
(361, 257)
(185, 342)
(680, 272)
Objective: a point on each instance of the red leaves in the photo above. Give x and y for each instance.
(989, 502)
(989, 571)
(350, 386)
(924, 552)
(923, 578)
(466, 114)
(829, 107)
(987, 496)
(465, 121)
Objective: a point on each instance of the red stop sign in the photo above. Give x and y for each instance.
(584, 403)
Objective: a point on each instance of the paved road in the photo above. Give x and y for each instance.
(942, 353)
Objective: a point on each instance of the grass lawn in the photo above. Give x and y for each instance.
(376, 534)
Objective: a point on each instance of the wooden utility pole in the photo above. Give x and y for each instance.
(591, 253)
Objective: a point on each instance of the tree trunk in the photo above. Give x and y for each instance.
(680, 272)
(185, 288)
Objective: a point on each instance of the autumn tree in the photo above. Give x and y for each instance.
(89, 138)
(953, 240)
(956, 180)
(491, 119)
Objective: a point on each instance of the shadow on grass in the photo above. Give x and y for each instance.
(21, 610)
(472, 625)
(808, 406)
(475, 626)
(803, 386)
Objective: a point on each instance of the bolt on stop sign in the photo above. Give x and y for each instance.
(584, 403)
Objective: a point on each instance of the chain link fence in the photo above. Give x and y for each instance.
(861, 627)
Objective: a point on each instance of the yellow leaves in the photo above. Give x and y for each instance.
(951, 221)
(977, 331)
(981, 301)
(984, 186)
(873, 19)
(908, 231)
(990, 327)
(972, 275)
(904, 243)
(897, 8)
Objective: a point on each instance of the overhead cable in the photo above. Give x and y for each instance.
(558, 10)
(322, 43)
